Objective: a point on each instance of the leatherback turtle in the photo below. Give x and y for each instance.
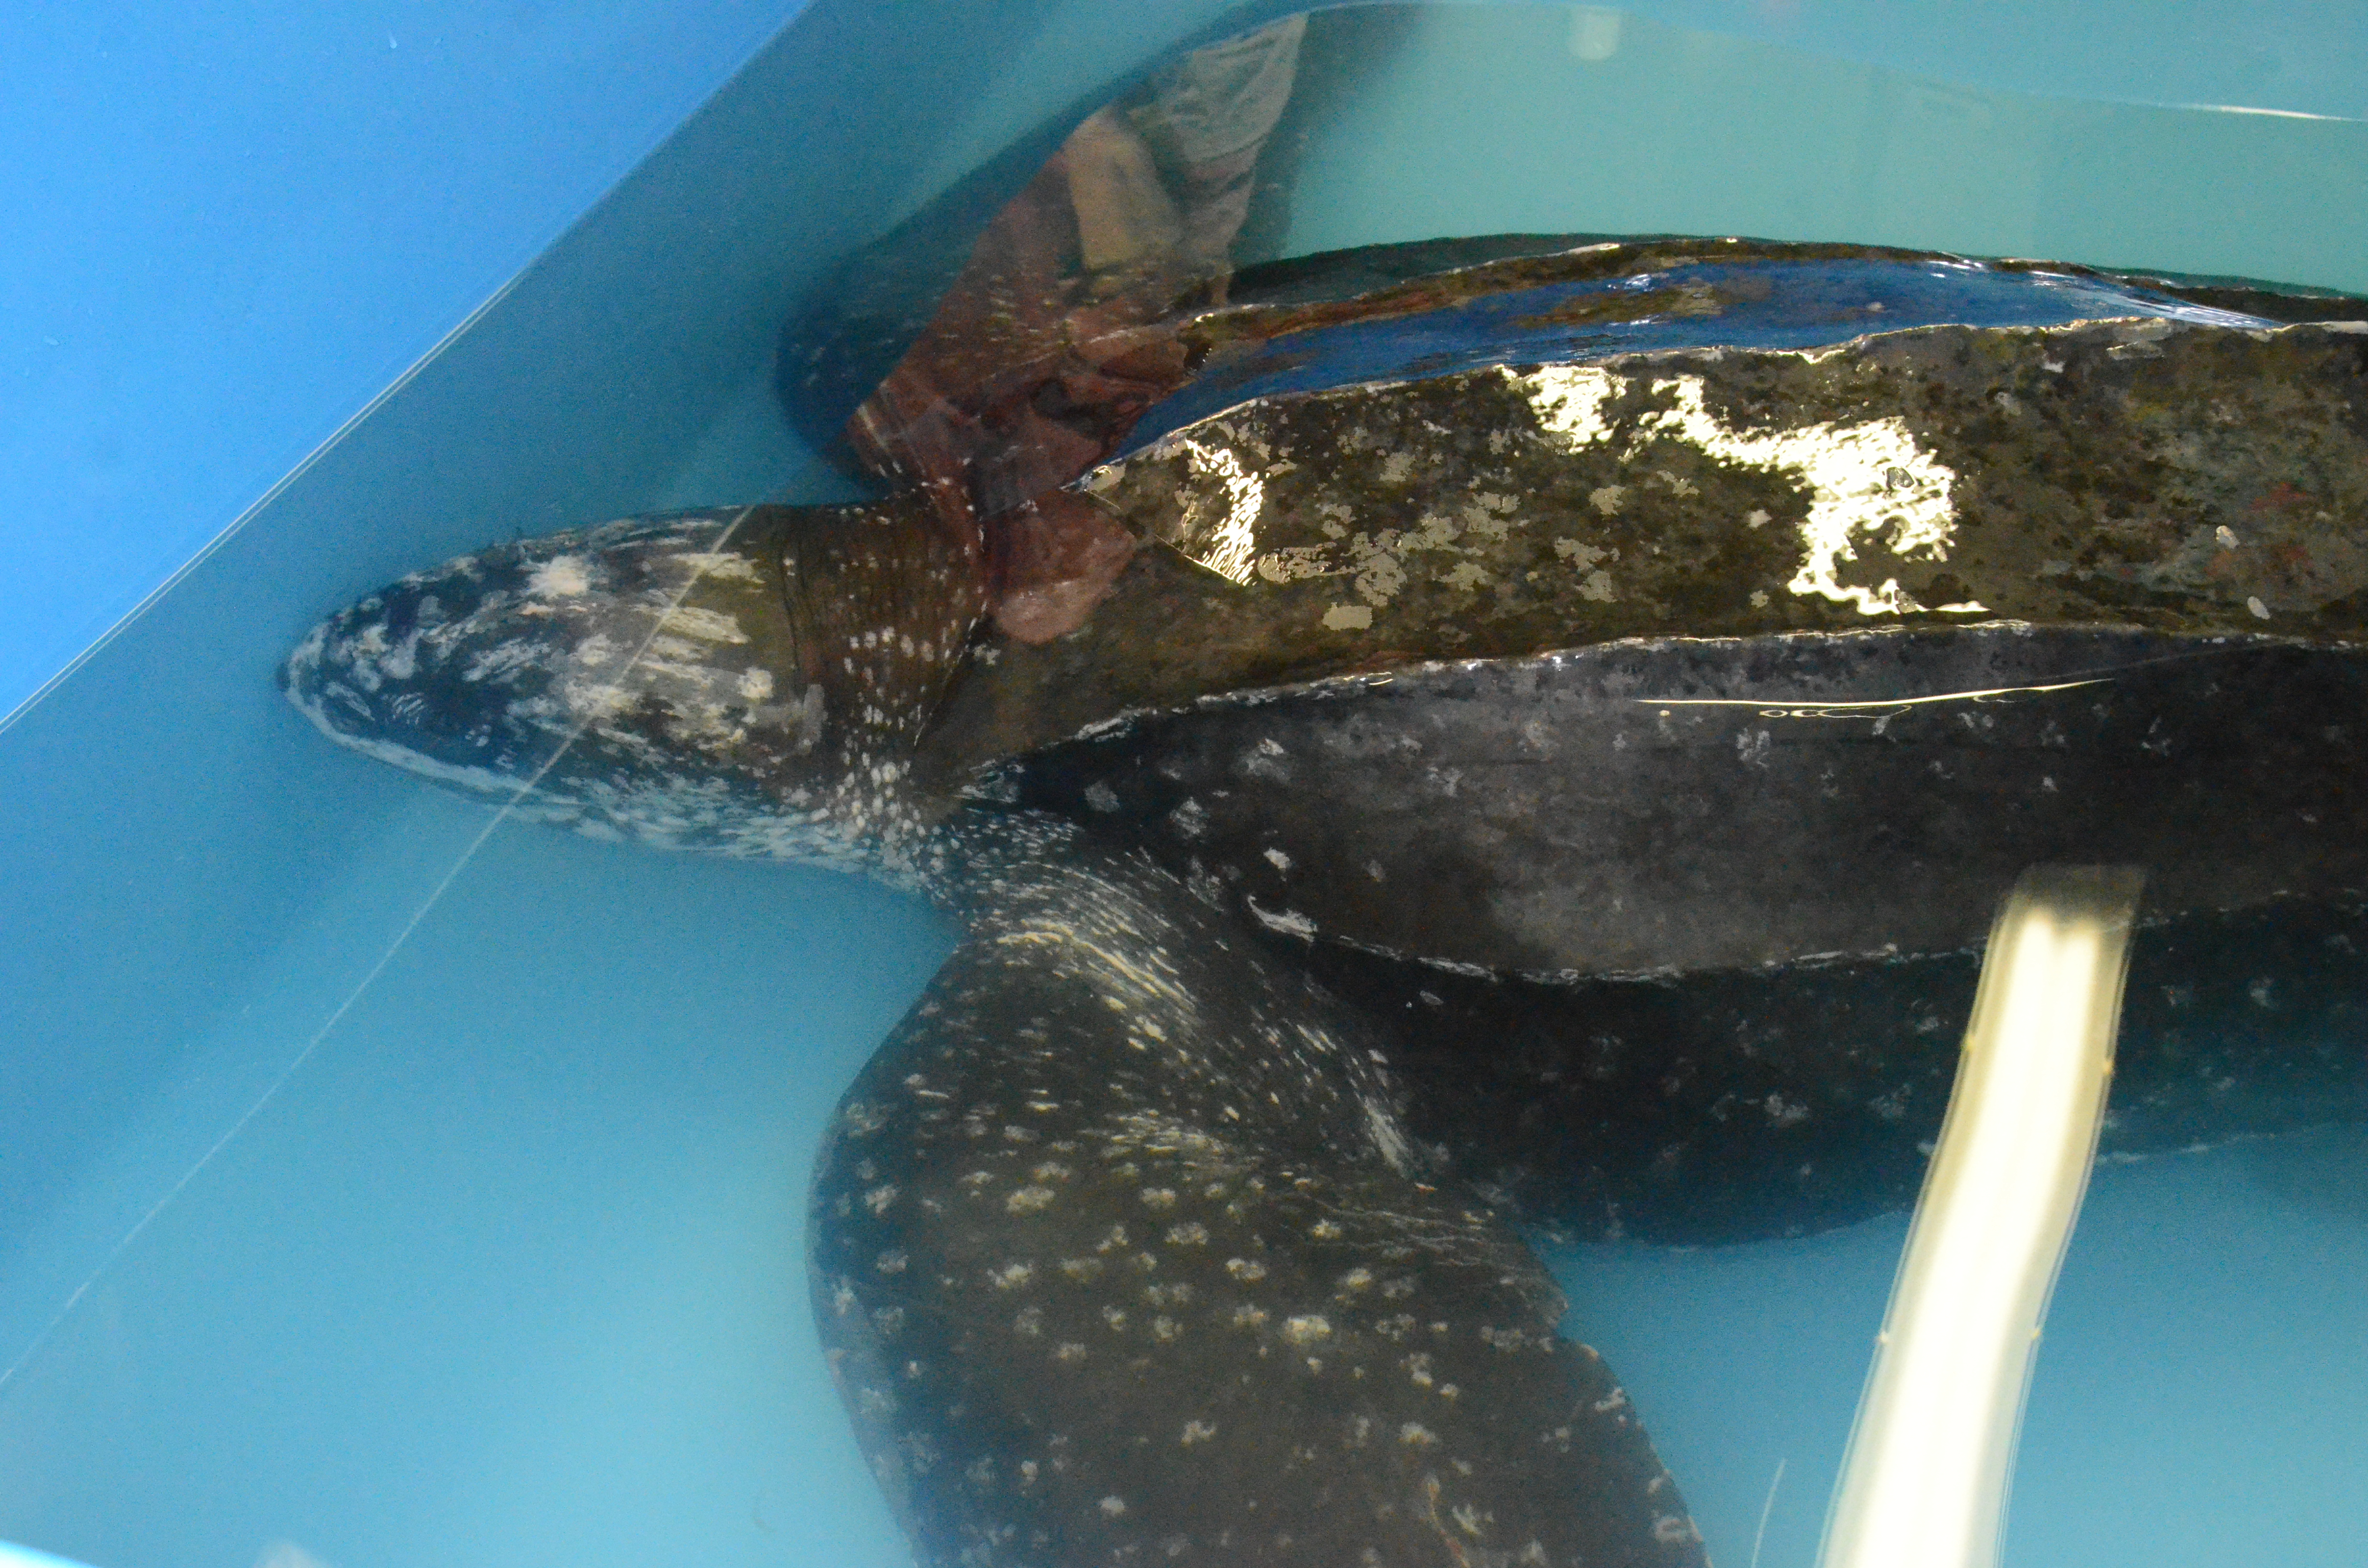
(1533, 744)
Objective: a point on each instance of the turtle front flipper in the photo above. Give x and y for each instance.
(1118, 1244)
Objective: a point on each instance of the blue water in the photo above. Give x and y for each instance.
(2198, 1393)
(511, 1269)
(391, 1185)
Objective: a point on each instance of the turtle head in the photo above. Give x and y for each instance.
(751, 680)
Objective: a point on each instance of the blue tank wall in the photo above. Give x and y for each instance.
(230, 227)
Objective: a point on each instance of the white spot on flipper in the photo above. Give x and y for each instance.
(1389, 1139)
(1310, 1329)
(1286, 922)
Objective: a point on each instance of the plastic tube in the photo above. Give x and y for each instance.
(1925, 1482)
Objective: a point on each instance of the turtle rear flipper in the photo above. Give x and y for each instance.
(1743, 1105)
(1118, 1244)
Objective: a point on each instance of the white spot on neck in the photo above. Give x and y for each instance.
(561, 577)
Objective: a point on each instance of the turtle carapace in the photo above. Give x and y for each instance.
(1533, 744)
